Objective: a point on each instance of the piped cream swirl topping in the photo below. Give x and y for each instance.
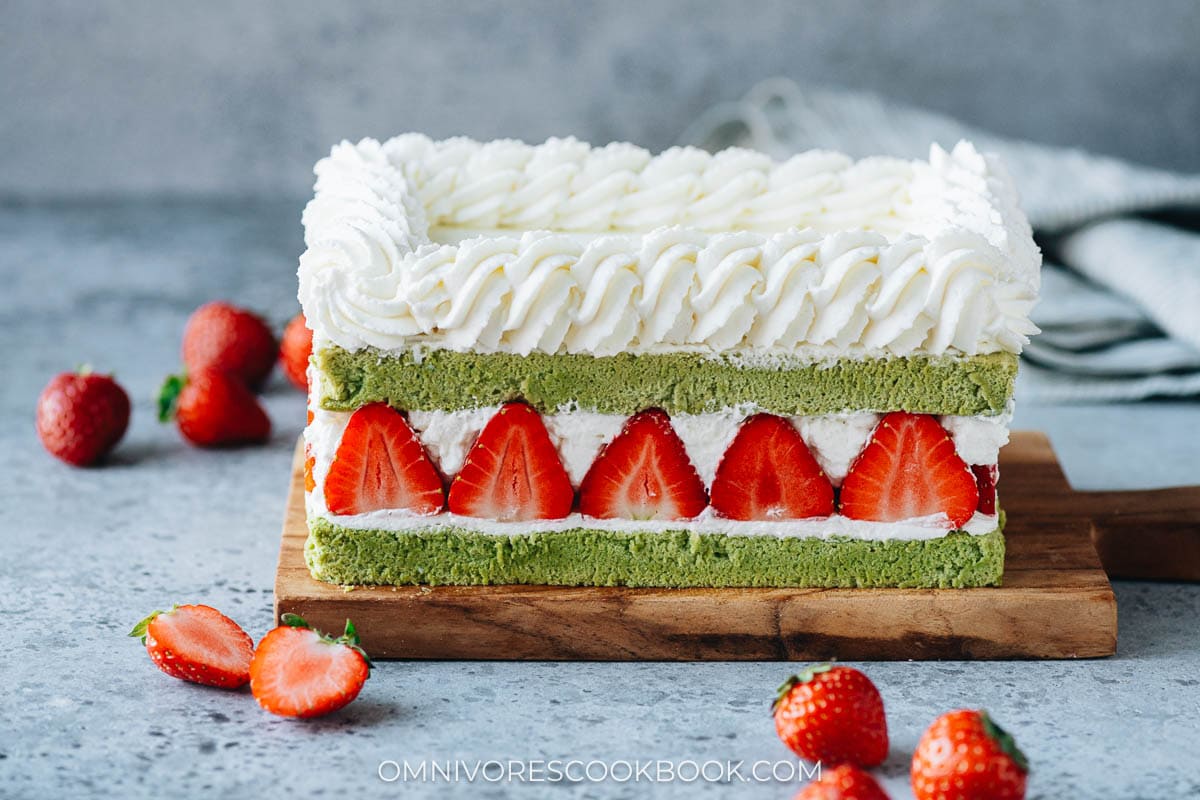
(569, 248)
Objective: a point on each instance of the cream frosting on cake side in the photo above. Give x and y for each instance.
(897, 257)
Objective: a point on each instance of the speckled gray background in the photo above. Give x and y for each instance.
(86, 553)
(234, 97)
(145, 98)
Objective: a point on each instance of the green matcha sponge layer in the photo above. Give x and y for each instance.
(586, 557)
(676, 382)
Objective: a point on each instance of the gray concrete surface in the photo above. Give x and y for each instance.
(225, 97)
(85, 553)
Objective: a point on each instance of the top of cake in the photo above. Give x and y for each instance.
(567, 248)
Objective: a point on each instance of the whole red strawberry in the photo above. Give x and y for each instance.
(294, 351)
(846, 782)
(213, 408)
(197, 644)
(220, 335)
(81, 416)
(966, 756)
(833, 715)
(299, 672)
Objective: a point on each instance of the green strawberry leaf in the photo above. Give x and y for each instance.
(139, 630)
(804, 677)
(294, 621)
(365, 657)
(1004, 741)
(782, 692)
(347, 639)
(168, 396)
(350, 639)
(814, 671)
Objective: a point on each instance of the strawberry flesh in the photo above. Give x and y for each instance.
(380, 464)
(909, 469)
(512, 472)
(296, 672)
(643, 474)
(768, 473)
(310, 463)
(986, 477)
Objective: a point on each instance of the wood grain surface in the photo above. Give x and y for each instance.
(1149, 535)
(1056, 601)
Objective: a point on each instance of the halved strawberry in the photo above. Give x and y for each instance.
(908, 469)
(380, 464)
(310, 461)
(986, 478)
(643, 473)
(197, 644)
(768, 473)
(512, 472)
(298, 672)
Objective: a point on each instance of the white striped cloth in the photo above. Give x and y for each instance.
(1120, 307)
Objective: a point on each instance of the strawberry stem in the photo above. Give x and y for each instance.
(294, 621)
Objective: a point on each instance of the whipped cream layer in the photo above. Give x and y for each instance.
(707, 522)
(568, 248)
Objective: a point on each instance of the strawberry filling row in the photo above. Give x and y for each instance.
(908, 469)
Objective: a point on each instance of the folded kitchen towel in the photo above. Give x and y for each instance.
(1120, 307)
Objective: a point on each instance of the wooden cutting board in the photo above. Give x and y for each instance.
(1056, 601)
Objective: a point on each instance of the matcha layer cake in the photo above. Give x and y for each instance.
(560, 364)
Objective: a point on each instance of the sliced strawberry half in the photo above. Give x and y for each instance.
(986, 478)
(768, 473)
(380, 464)
(512, 472)
(310, 463)
(644, 473)
(199, 644)
(908, 469)
(300, 672)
